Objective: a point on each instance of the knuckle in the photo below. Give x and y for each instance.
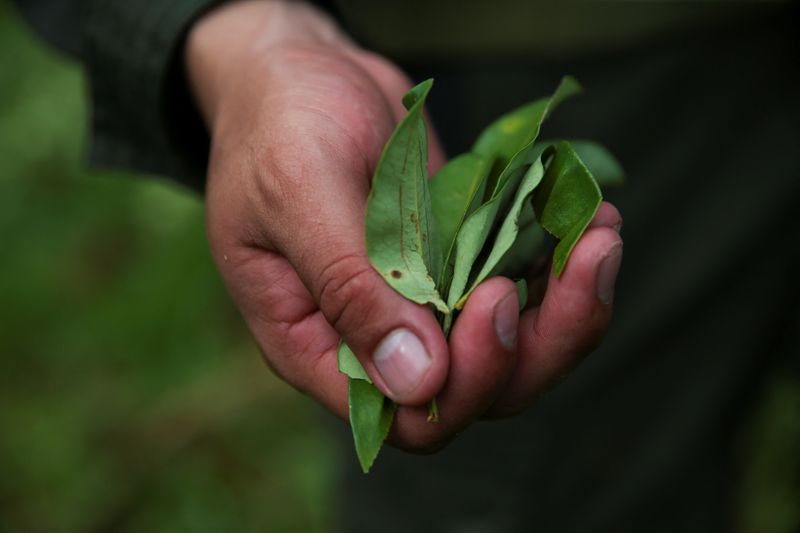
(580, 335)
(283, 169)
(591, 333)
(348, 286)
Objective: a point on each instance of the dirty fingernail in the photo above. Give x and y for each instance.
(607, 273)
(506, 319)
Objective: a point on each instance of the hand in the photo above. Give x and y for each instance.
(298, 116)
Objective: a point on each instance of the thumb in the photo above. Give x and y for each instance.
(398, 342)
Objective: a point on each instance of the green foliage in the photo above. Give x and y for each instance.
(349, 365)
(601, 163)
(482, 194)
(456, 191)
(522, 293)
(770, 468)
(509, 228)
(566, 201)
(509, 142)
(371, 415)
(506, 139)
(131, 396)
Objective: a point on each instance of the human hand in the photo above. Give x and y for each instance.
(298, 116)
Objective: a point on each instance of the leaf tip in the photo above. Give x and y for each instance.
(558, 267)
(366, 464)
(570, 84)
(417, 93)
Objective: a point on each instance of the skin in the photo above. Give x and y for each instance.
(298, 116)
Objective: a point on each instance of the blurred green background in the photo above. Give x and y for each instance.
(131, 395)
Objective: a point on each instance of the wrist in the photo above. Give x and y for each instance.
(232, 40)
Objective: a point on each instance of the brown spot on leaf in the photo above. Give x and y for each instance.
(396, 274)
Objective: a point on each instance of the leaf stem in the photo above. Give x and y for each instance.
(433, 412)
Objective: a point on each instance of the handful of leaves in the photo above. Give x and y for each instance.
(484, 213)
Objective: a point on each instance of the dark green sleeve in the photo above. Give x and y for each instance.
(143, 117)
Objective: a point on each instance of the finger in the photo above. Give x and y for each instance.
(483, 351)
(573, 317)
(294, 337)
(398, 342)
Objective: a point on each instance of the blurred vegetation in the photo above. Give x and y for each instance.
(770, 455)
(131, 396)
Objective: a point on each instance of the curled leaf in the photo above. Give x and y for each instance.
(601, 163)
(505, 141)
(566, 201)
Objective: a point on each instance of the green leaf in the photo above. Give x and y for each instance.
(522, 293)
(510, 138)
(472, 237)
(566, 201)
(417, 94)
(456, 191)
(509, 229)
(371, 416)
(601, 163)
(401, 238)
(370, 412)
(475, 196)
(349, 364)
(498, 140)
(521, 258)
(506, 137)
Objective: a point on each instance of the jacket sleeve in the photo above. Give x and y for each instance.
(143, 116)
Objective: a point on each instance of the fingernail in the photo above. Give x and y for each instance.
(402, 361)
(506, 319)
(607, 273)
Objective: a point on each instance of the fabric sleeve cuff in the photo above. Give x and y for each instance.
(143, 115)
